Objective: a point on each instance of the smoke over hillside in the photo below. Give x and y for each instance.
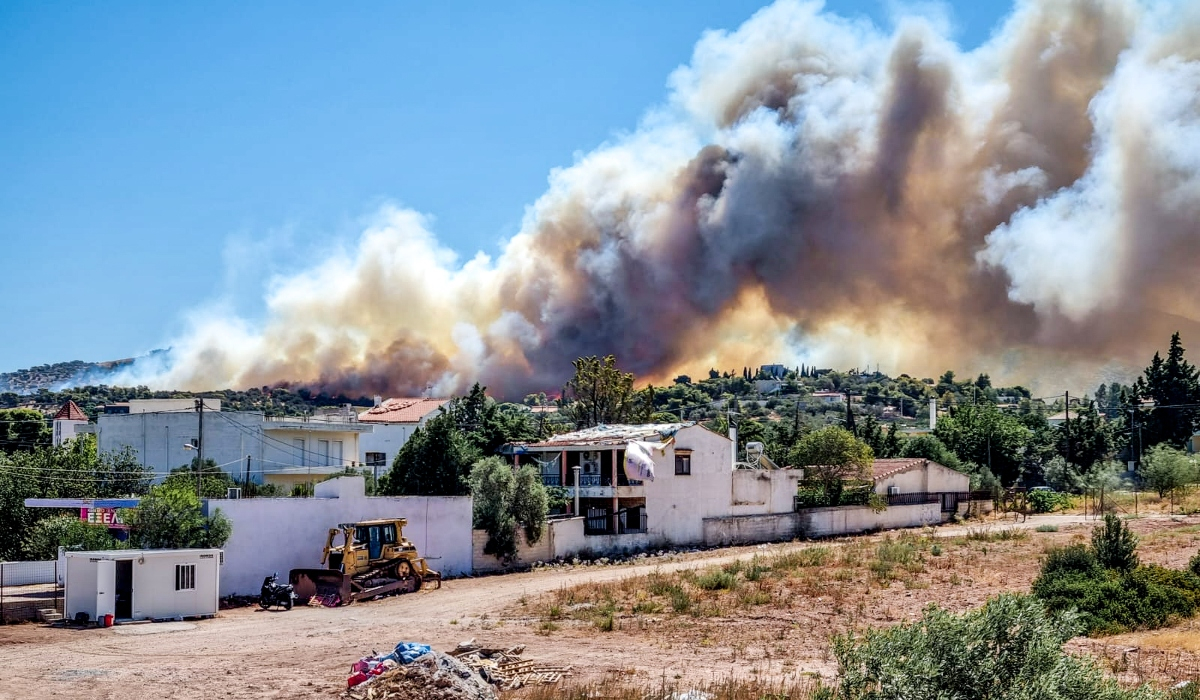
(812, 188)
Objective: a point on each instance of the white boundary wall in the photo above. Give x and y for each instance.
(27, 573)
(276, 535)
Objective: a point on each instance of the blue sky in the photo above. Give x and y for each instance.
(156, 156)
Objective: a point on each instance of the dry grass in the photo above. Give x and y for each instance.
(727, 689)
(777, 610)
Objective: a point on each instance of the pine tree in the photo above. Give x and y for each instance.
(1174, 386)
(891, 443)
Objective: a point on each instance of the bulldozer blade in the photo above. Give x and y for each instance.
(324, 582)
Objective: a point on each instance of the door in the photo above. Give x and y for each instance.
(106, 588)
(375, 543)
(124, 588)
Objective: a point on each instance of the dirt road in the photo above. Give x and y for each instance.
(304, 653)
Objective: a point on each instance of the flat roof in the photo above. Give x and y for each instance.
(138, 553)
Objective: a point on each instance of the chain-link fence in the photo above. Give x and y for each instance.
(27, 588)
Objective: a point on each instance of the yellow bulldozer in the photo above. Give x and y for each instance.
(374, 559)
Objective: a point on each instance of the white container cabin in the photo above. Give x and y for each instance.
(143, 584)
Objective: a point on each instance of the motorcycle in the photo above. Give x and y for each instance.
(274, 593)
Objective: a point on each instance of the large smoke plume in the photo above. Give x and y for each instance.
(814, 188)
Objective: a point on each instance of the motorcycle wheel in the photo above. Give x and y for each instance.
(287, 604)
(264, 605)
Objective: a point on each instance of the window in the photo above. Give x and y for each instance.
(323, 452)
(185, 577)
(335, 453)
(376, 459)
(298, 448)
(683, 464)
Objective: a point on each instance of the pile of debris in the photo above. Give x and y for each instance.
(414, 670)
(506, 668)
(431, 675)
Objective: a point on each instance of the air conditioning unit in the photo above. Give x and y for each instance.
(233, 493)
(590, 462)
(893, 490)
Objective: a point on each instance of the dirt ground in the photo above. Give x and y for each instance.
(305, 653)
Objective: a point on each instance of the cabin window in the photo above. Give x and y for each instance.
(185, 577)
(683, 464)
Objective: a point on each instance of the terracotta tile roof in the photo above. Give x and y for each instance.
(401, 410)
(883, 468)
(70, 411)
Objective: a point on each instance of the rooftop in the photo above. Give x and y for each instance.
(401, 410)
(883, 468)
(614, 435)
(70, 411)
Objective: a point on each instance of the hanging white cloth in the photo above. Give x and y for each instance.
(639, 462)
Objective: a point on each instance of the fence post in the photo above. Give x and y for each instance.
(2, 619)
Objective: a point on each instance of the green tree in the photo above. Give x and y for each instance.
(23, 429)
(871, 433)
(214, 482)
(504, 501)
(170, 517)
(1086, 438)
(1174, 386)
(1167, 470)
(601, 393)
(435, 461)
(929, 447)
(48, 534)
(983, 435)
(891, 446)
(830, 456)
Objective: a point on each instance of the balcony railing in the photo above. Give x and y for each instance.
(551, 479)
(627, 521)
(912, 499)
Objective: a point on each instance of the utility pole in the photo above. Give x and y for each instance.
(1067, 423)
(247, 484)
(200, 447)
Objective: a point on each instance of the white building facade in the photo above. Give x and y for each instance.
(248, 445)
(394, 422)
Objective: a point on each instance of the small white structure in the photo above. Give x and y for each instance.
(67, 422)
(143, 584)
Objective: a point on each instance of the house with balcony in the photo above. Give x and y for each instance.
(695, 489)
(394, 421)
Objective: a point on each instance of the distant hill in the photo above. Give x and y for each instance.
(47, 387)
(50, 377)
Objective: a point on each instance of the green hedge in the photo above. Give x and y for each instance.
(1110, 601)
(813, 495)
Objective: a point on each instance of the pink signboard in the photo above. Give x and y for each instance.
(108, 517)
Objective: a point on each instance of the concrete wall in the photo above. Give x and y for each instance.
(280, 534)
(677, 505)
(563, 538)
(762, 492)
(823, 522)
(751, 529)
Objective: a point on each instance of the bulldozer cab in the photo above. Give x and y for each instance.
(375, 537)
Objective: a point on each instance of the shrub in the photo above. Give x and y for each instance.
(1010, 648)
(1047, 528)
(47, 535)
(1111, 601)
(716, 581)
(1114, 545)
(1047, 501)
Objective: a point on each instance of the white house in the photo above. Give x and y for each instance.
(67, 421)
(695, 483)
(829, 397)
(394, 422)
(137, 584)
(272, 450)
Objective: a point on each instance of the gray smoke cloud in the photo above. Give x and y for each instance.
(812, 189)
